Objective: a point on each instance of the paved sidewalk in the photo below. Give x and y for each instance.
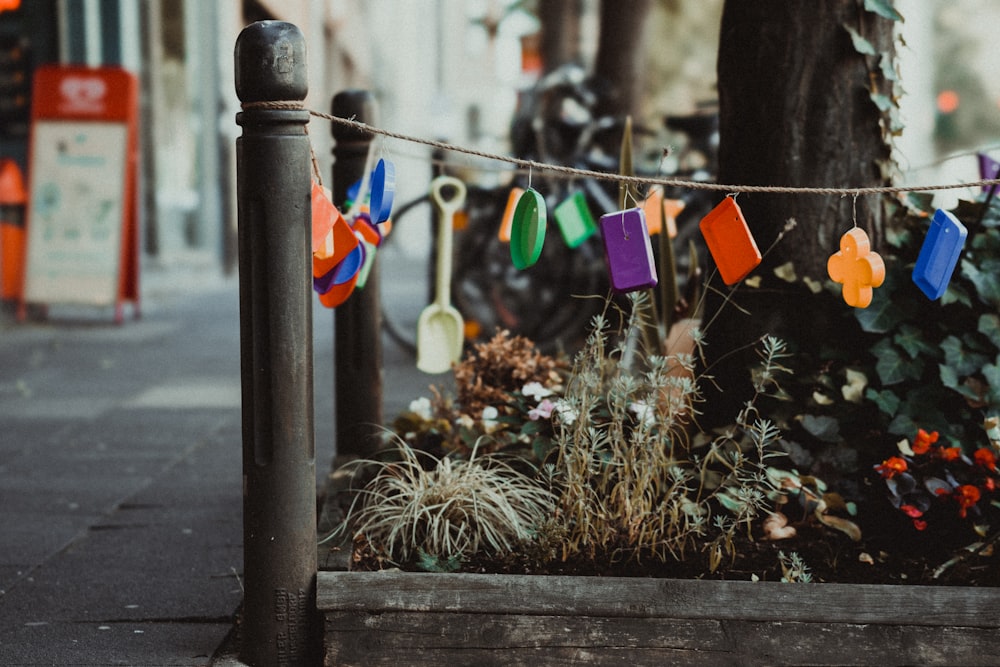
(120, 474)
(120, 501)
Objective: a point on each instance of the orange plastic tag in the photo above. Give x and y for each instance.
(671, 208)
(332, 237)
(857, 267)
(729, 240)
(508, 215)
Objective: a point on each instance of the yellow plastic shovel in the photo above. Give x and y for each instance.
(440, 329)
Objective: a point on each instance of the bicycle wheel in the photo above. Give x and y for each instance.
(545, 302)
(406, 273)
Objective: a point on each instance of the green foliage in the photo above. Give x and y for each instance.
(632, 479)
(937, 364)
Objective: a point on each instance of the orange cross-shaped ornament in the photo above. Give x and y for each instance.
(857, 267)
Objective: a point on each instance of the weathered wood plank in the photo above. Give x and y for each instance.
(659, 598)
(440, 638)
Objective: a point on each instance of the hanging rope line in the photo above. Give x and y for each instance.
(574, 172)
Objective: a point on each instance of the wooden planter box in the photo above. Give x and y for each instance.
(395, 618)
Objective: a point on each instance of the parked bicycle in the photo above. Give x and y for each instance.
(551, 302)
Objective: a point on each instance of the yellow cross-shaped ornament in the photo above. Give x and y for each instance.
(857, 268)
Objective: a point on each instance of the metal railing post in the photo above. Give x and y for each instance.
(279, 625)
(357, 322)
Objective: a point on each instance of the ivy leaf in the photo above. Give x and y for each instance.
(911, 339)
(984, 279)
(922, 201)
(880, 317)
(886, 400)
(949, 377)
(956, 294)
(883, 102)
(989, 326)
(822, 427)
(991, 372)
(861, 45)
(962, 361)
(891, 367)
(884, 9)
(888, 71)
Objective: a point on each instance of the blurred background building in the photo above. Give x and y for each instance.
(449, 69)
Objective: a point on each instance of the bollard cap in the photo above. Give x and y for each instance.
(271, 62)
(357, 104)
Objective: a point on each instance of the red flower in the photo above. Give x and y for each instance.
(923, 441)
(891, 467)
(989, 484)
(967, 496)
(911, 511)
(985, 458)
(919, 524)
(951, 453)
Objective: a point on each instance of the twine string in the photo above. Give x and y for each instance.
(574, 172)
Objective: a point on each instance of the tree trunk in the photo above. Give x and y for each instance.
(795, 110)
(619, 55)
(560, 21)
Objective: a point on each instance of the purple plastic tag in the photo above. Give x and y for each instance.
(939, 254)
(988, 169)
(628, 250)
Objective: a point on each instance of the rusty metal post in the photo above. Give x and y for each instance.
(357, 323)
(279, 624)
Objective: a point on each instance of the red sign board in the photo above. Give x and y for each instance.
(82, 230)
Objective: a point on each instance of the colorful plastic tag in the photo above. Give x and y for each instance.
(988, 169)
(345, 272)
(656, 207)
(576, 224)
(368, 232)
(527, 231)
(628, 250)
(729, 240)
(939, 254)
(366, 268)
(508, 214)
(857, 268)
(382, 189)
(332, 237)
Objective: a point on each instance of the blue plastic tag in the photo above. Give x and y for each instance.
(939, 254)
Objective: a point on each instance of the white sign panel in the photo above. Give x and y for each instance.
(75, 212)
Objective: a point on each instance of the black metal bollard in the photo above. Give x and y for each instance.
(279, 625)
(357, 322)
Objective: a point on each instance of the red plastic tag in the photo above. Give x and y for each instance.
(729, 240)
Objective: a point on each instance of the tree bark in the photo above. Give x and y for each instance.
(619, 55)
(795, 110)
(560, 21)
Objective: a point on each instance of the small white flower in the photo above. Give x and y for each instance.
(644, 413)
(489, 418)
(535, 390)
(566, 412)
(422, 408)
